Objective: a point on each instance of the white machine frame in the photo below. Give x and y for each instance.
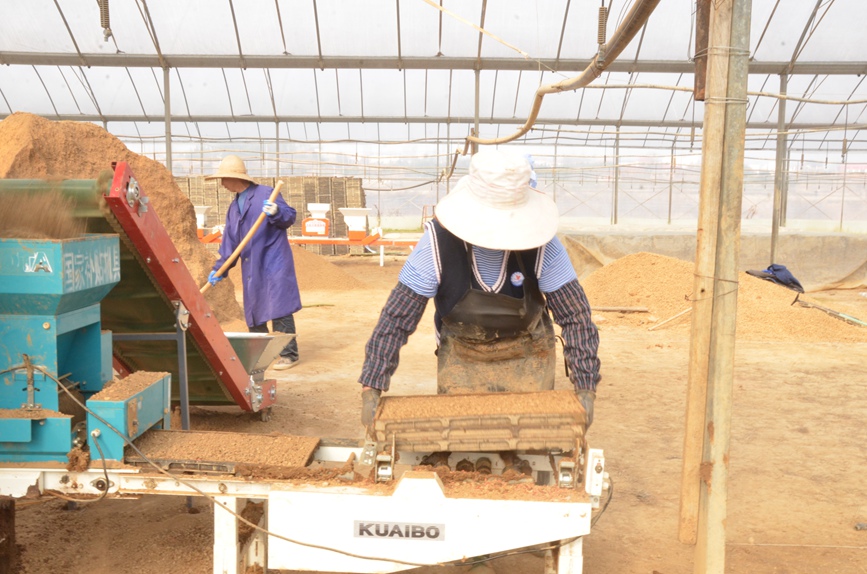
(332, 527)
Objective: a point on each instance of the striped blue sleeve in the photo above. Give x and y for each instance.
(419, 271)
(557, 269)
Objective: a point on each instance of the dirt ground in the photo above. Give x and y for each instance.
(797, 471)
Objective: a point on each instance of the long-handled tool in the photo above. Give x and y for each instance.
(842, 316)
(244, 241)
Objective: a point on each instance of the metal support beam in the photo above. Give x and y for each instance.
(851, 68)
(475, 147)
(600, 122)
(670, 184)
(616, 195)
(168, 117)
(779, 165)
(478, 73)
(277, 148)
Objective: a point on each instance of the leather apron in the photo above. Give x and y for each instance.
(491, 342)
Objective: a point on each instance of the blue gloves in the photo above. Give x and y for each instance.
(213, 280)
(269, 208)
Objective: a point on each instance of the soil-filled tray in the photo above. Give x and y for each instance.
(221, 452)
(120, 389)
(546, 420)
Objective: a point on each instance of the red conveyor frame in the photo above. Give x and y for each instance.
(163, 262)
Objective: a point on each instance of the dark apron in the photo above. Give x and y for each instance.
(491, 342)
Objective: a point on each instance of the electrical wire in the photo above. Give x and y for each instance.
(401, 188)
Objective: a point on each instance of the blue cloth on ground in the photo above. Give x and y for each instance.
(780, 275)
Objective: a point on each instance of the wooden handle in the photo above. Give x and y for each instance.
(670, 319)
(245, 241)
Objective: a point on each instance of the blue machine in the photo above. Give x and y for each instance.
(50, 293)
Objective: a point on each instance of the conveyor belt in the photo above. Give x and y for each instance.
(154, 280)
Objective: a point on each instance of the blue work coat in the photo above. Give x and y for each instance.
(267, 266)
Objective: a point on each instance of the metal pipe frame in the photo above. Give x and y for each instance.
(97, 60)
(468, 120)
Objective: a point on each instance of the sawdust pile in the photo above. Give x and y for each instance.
(315, 272)
(661, 284)
(32, 147)
(664, 286)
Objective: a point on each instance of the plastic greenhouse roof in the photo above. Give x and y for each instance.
(404, 69)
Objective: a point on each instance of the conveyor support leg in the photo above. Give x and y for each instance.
(568, 559)
(226, 555)
(229, 557)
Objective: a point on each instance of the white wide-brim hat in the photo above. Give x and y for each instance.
(231, 166)
(495, 207)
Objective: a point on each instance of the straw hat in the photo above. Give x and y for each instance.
(495, 207)
(231, 166)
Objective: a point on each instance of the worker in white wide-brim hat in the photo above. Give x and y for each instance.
(267, 267)
(492, 263)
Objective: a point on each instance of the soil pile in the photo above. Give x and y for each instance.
(664, 286)
(32, 147)
(315, 272)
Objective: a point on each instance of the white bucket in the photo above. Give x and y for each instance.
(355, 217)
(201, 215)
(318, 210)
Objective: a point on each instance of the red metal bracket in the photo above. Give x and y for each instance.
(140, 223)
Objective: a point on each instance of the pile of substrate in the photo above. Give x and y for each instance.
(664, 286)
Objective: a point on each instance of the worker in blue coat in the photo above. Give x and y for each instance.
(267, 267)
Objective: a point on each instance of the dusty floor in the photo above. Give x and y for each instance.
(797, 473)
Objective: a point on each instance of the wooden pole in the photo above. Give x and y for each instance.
(702, 29)
(706, 438)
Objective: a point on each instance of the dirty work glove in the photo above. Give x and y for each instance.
(269, 208)
(213, 279)
(369, 401)
(586, 396)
